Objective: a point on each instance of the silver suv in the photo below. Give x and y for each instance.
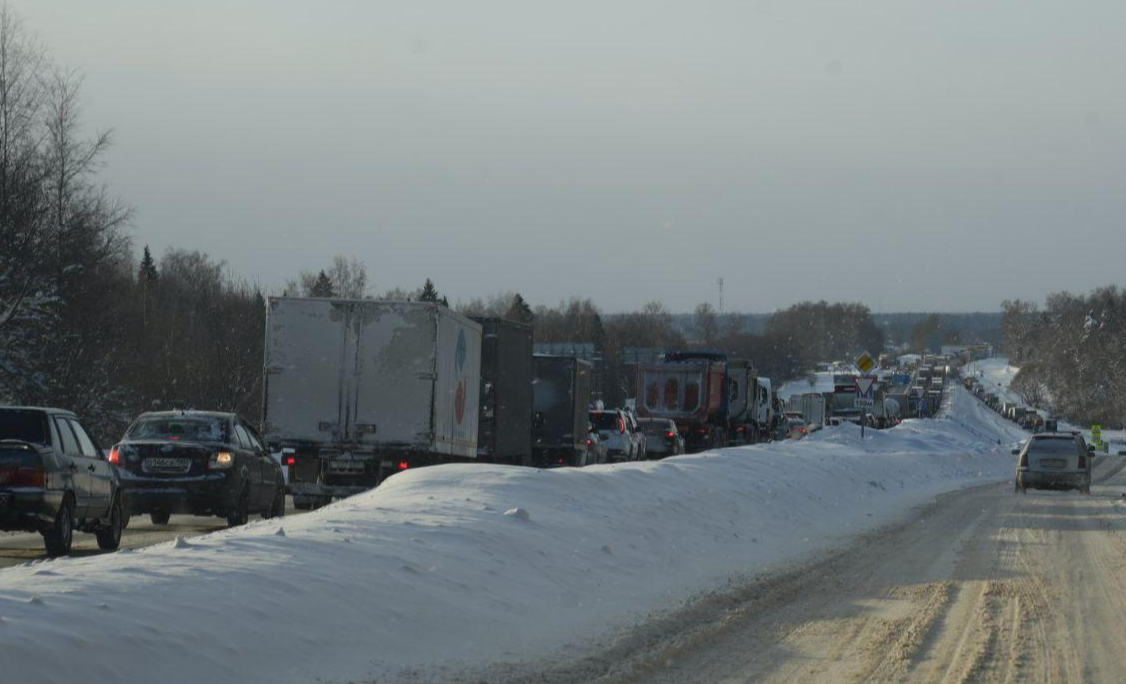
(613, 428)
(1054, 461)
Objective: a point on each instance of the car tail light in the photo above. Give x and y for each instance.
(672, 434)
(622, 425)
(804, 431)
(24, 477)
(404, 465)
(291, 461)
(115, 456)
(1082, 461)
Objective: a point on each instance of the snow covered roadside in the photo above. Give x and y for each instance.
(470, 565)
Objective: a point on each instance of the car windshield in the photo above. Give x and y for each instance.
(605, 421)
(24, 425)
(187, 428)
(1053, 446)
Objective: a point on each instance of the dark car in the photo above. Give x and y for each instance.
(54, 480)
(661, 437)
(1054, 461)
(198, 463)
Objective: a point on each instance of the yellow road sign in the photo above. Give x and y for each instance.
(865, 363)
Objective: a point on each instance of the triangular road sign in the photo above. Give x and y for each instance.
(864, 385)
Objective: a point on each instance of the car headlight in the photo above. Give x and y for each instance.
(221, 460)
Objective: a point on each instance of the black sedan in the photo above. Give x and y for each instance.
(198, 463)
(54, 479)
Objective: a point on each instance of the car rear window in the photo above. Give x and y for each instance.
(1054, 446)
(605, 421)
(187, 428)
(656, 427)
(24, 425)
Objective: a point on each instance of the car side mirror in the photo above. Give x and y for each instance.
(1090, 448)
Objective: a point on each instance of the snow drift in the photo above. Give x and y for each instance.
(467, 565)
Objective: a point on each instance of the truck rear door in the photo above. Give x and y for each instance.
(307, 358)
(391, 387)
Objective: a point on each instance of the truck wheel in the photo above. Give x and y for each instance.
(241, 512)
(61, 534)
(109, 538)
(160, 517)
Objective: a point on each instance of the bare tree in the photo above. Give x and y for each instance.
(706, 323)
(349, 279)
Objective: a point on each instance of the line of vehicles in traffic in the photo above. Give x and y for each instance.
(1028, 418)
(55, 479)
(1049, 458)
(357, 390)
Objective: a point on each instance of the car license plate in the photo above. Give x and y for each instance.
(1052, 463)
(166, 465)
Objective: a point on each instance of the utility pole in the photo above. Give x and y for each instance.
(720, 283)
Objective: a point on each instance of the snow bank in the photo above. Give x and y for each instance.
(474, 564)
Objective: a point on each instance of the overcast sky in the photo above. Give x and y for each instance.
(909, 154)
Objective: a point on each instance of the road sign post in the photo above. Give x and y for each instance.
(865, 384)
(1097, 438)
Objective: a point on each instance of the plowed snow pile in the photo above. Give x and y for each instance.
(466, 565)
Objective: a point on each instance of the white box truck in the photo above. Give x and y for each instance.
(356, 390)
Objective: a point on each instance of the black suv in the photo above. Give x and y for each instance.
(54, 479)
(200, 463)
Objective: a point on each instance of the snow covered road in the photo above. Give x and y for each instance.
(479, 569)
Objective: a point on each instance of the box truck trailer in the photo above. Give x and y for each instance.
(356, 390)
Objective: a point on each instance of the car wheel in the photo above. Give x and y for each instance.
(241, 512)
(274, 509)
(160, 517)
(110, 538)
(279, 504)
(302, 503)
(59, 538)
